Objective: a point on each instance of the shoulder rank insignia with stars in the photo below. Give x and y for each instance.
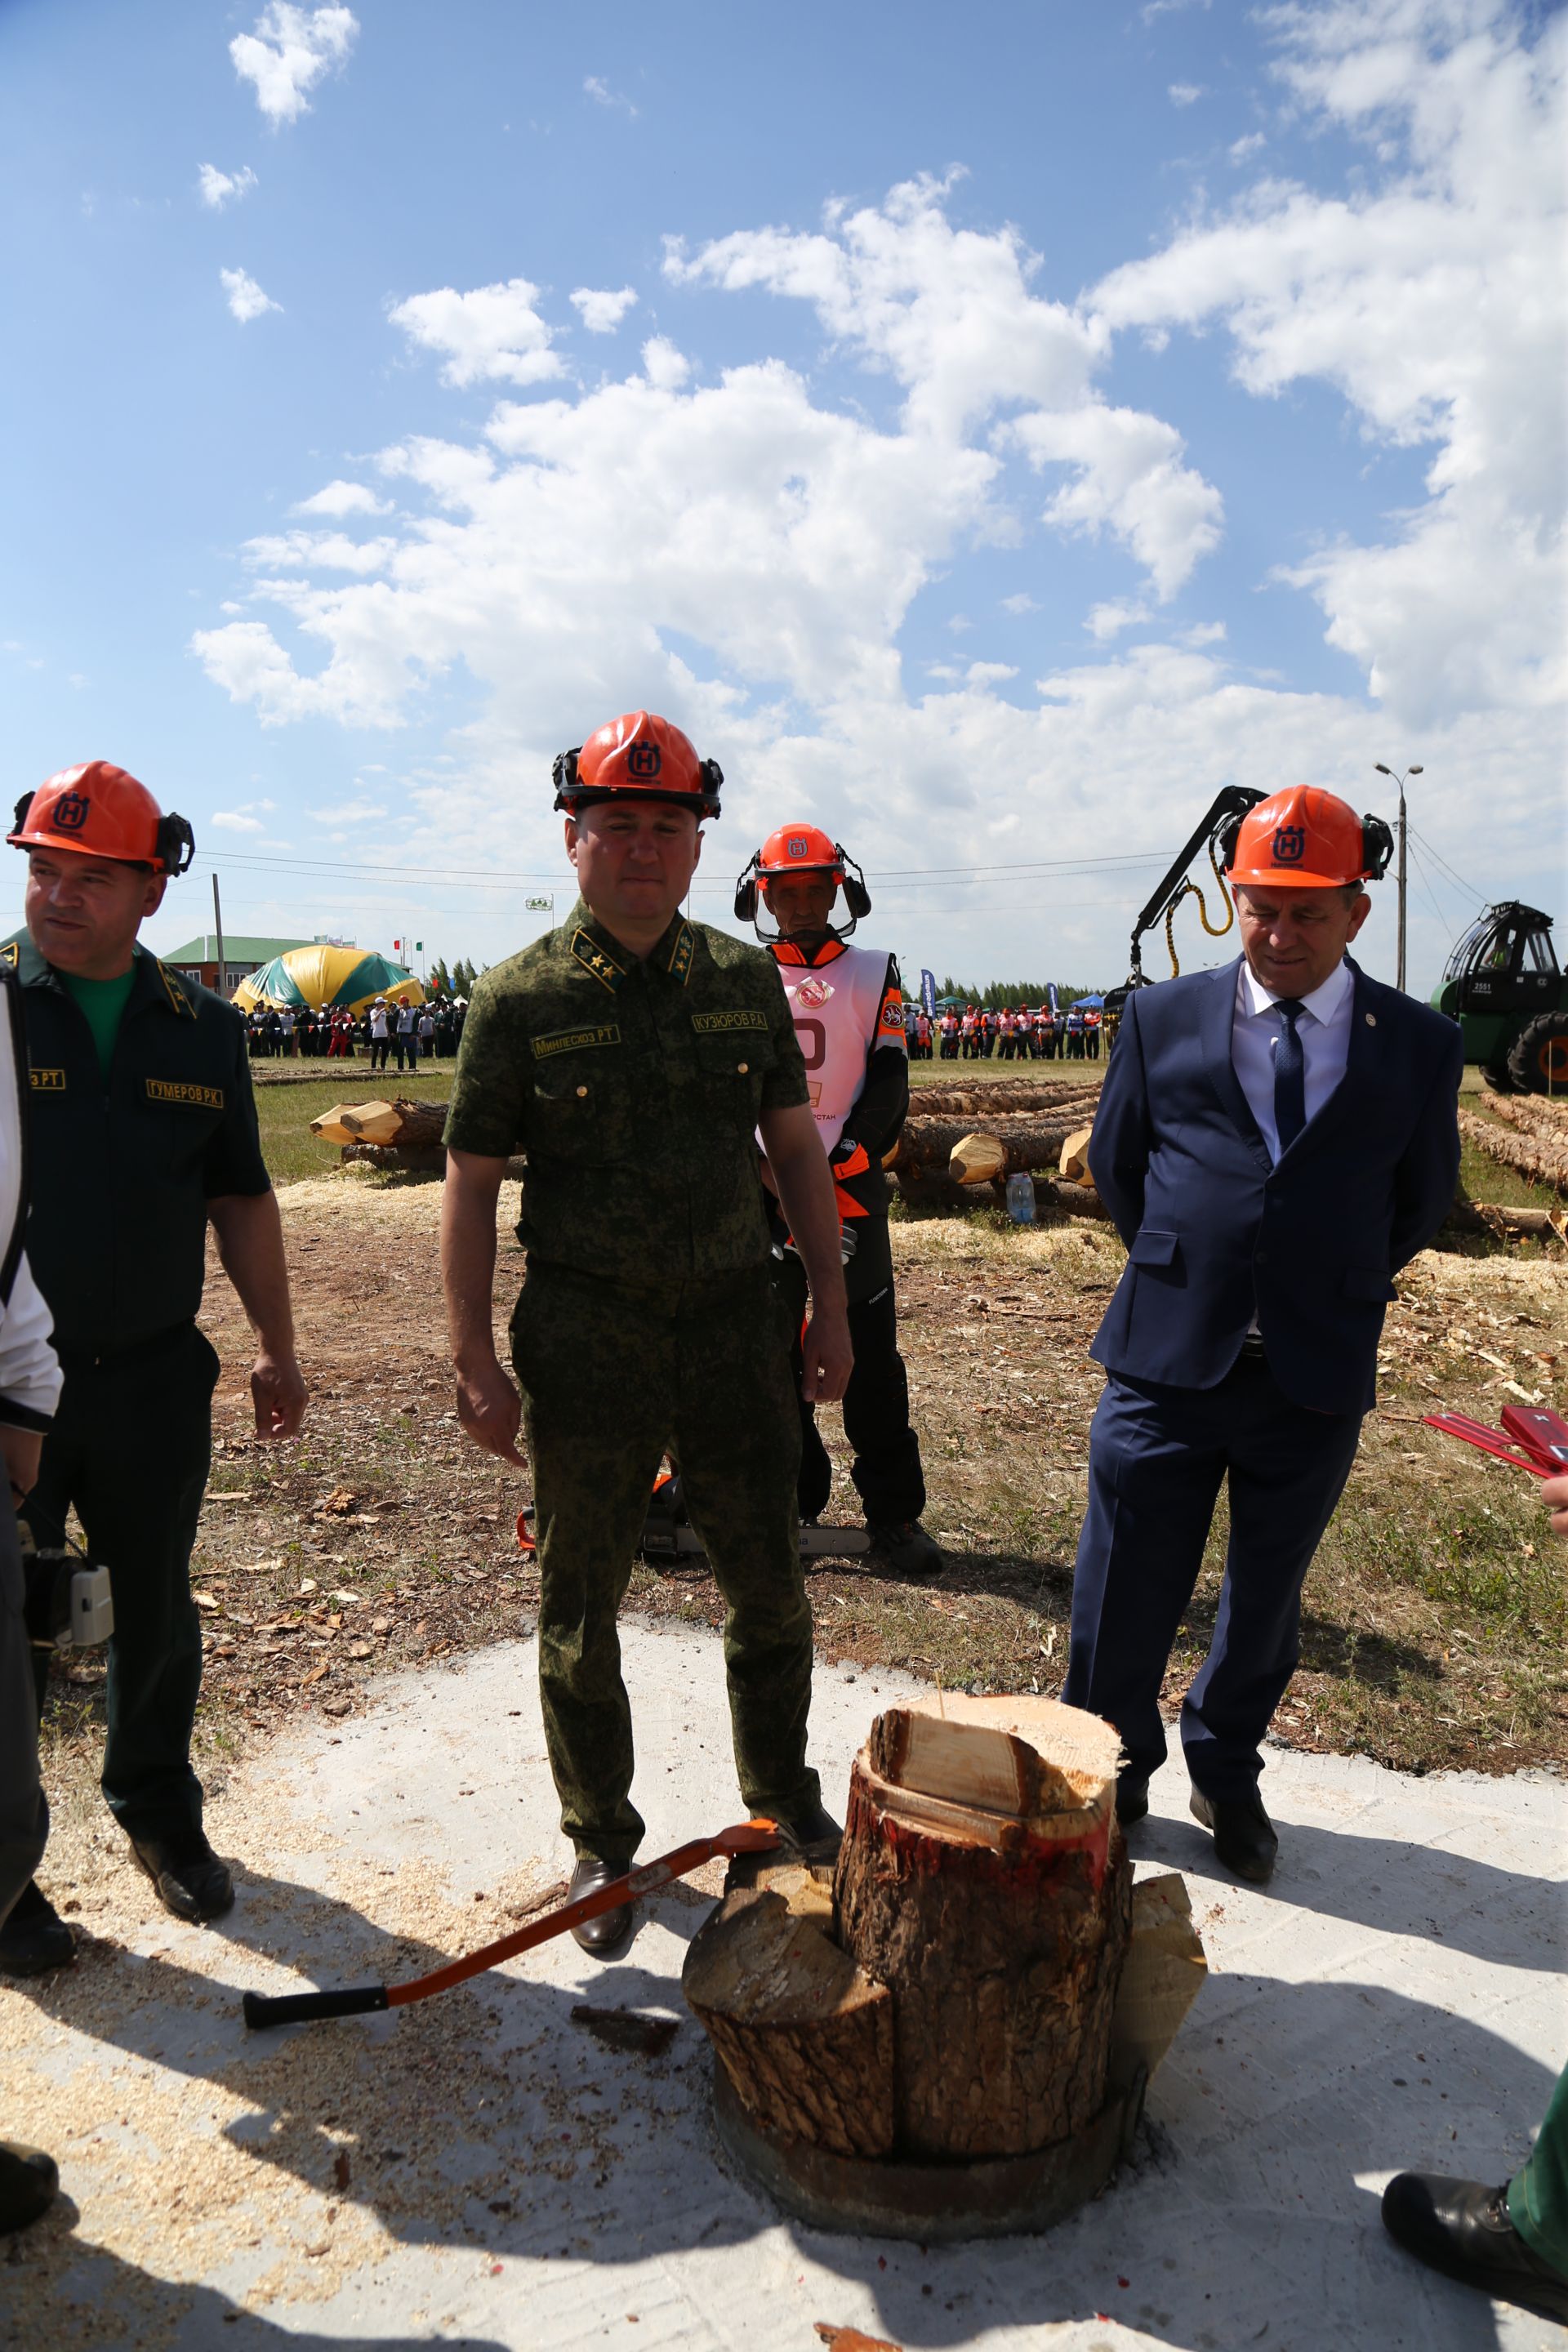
(682, 954)
(9, 953)
(597, 959)
(177, 997)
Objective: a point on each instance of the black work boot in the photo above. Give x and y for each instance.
(34, 1938)
(192, 1882)
(812, 1830)
(29, 2182)
(606, 1937)
(907, 1547)
(1244, 1836)
(1463, 2229)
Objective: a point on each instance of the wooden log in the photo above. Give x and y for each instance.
(999, 1099)
(928, 1146)
(409, 1158)
(1530, 1153)
(400, 1121)
(1163, 1974)
(983, 1880)
(1073, 1161)
(804, 2036)
(1078, 1200)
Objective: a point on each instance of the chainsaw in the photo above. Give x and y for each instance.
(668, 1535)
(1532, 1437)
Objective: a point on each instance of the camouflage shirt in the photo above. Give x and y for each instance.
(634, 1087)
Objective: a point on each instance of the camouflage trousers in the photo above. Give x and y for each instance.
(610, 1383)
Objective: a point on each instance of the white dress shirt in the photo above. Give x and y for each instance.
(1325, 1034)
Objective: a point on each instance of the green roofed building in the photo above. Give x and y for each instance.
(241, 956)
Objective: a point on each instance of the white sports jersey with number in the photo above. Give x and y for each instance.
(843, 1005)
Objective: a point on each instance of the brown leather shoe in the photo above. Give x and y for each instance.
(608, 1936)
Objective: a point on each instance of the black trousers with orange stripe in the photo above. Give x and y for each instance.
(886, 1469)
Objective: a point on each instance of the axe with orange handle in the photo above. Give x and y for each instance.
(296, 2007)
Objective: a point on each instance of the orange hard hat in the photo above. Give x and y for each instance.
(637, 755)
(800, 849)
(100, 811)
(1307, 839)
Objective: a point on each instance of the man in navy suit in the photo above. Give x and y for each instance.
(1275, 1140)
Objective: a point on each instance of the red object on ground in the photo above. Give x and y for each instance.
(1542, 1433)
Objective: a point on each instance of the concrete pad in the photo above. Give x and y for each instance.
(478, 2171)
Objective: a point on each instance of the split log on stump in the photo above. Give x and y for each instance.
(983, 1880)
(401, 1121)
(929, 1147)
(1530, 1153)
(803, 2035)
(1164, 1973)
(1073, 1161)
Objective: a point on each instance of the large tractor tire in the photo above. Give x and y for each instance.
(1538, 1058)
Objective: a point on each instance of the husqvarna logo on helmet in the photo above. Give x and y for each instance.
(70, 812)
(1289, 845)
(644, 760)
(796, 845)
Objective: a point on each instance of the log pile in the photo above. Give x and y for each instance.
(950, 1992)
(938, 1163)
(1001, 1098)
(1533, 1139)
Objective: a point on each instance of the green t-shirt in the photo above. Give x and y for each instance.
(104, 1003)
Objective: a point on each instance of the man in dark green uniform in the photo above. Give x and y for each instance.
(634, 1055)
(144, 1130)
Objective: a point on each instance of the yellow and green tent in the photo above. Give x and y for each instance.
(327, 975)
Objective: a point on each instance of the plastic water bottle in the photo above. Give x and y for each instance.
(1021, 1199)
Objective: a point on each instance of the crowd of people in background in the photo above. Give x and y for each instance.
(1013, 1033)
(397, 1030)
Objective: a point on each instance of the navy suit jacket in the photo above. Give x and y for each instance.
(1215, 1233)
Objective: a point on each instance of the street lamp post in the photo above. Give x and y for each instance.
(1399, 959)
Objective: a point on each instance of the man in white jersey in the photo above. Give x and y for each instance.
(847, 1008)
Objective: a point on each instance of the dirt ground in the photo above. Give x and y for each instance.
(1434, 1631)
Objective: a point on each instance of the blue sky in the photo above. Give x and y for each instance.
(1025, 419)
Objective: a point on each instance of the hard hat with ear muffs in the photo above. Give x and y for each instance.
(802, 849)
(100, 811)
(1304, 839)
(638, 756)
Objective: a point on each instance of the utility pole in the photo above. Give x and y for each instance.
(1403, 828)
(218, 925)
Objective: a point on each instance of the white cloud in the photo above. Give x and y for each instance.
(1153, 9)
(1022, 603)
(288, 53)
(1431, 298)
(1129, 480)
(492, 331)
(340, 498)
(217, 188)
(246, 298)
(600, 312)
(332, 550)
(233, 821)
(563, 560)
(1241, 151)
(1185, 93)
(988, 673)
(599, 90)
(1118, 613)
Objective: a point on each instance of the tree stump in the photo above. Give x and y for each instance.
(983, 1880)
(803, 2035)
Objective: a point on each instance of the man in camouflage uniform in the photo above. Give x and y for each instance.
(633, 1057)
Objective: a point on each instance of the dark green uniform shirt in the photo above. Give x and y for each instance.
(121, 1171)
(634, 1087)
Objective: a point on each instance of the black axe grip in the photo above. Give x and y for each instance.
(297, 2008)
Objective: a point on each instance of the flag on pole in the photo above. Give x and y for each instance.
(928, 994)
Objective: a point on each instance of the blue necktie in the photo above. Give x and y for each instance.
(1290, 1075)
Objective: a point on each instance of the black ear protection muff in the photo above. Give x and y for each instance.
(852, 882)
(563, 775)
(176, 844)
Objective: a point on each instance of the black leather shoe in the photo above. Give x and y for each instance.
(1131, 1798)
(906, 1546)
(607, 1935)
(1244, 1835)
(34, 1938)
(813, 1830)
(29, 2181)
(1462, 2228)
(191, 1881)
